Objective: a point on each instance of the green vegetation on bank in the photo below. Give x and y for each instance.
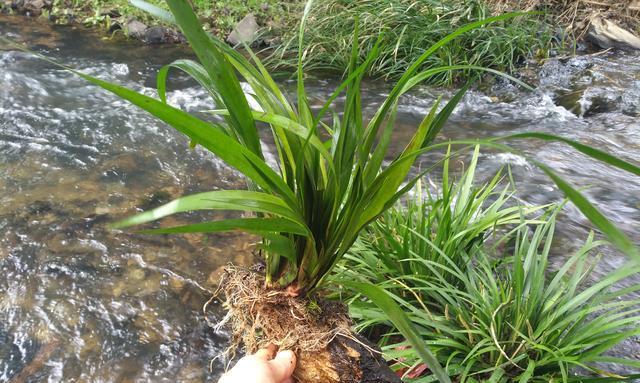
(408, 28)
(470, 268)
(218, 17)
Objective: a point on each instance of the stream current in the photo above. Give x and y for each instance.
(82, 303)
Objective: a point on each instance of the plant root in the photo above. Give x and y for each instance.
(316, 329)
(259, 316)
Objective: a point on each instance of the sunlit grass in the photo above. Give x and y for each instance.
(409, 28)
(483, 297)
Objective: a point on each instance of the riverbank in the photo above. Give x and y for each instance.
(576, 16)
(120, 16)
(408, 29)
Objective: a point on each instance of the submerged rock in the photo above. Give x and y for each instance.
(245, 31)
(590, 101)
(607, 34)
(570, 101)
(600, 100)
(155, 199)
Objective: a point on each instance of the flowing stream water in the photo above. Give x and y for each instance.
(82, 303)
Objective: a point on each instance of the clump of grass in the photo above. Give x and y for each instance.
(449, 221)
(409, 28)
(489, 311)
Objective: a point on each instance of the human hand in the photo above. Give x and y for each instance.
(263, 367)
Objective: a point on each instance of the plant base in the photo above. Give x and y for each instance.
(317, 330)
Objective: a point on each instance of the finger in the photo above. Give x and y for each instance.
(267, 353)
(224, 379)
(282, 365)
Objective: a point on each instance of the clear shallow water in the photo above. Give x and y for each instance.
(79, 302)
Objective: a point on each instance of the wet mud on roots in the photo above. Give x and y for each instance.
(316, 329)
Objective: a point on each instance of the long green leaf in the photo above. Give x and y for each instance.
(287, 124)
(154, 10)
(586, 149)
(220, 72)
(615, 235)
(250, 225)
(399, 319)
(193, 69)
(241, 200)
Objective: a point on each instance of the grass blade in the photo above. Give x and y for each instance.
(399, 319)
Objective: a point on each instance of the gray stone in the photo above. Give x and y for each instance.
(32, 7)
(600, 100)
(245, 31)
(607, 34)
(154, 35)
(135, 29)
(162, 35)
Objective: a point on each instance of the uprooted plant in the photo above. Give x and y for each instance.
(330, 181)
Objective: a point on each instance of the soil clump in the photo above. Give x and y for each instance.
(316, 329)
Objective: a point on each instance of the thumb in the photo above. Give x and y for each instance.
(282, 365)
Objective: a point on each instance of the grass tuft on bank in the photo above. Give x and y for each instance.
(409, 27)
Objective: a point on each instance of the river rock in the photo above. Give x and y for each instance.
(631, 100)
(154, 35)
(590, 101)
(135, 29)
(600, 100)
(245, 31)
(570, 101)
(162, 35)
(607, 34)
(31, 7)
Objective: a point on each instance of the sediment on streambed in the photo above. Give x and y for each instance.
(316, 329)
